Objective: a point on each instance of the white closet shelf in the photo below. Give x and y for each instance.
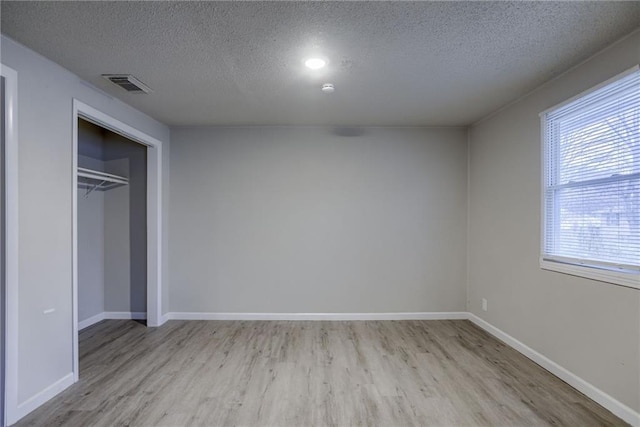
(100, 181)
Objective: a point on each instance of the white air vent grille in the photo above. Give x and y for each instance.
(128, 83)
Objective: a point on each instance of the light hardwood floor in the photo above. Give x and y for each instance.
(383, 373)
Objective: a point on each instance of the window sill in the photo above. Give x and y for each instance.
(621, 278)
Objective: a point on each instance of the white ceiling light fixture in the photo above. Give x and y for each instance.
(315, 63)
(328, 88)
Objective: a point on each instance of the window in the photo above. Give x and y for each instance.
(591, 190)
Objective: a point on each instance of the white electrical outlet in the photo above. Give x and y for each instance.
(484, 304)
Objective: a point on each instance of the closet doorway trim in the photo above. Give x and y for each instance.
(11, 243)
(154, 213)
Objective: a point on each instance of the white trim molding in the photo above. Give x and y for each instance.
(40, 398)
(82, 324)
(444, 315)
(164, 318)
(630, 279)
(615, 406)
(112, 315)
(123, 315)
(11, 244)
(154, 213)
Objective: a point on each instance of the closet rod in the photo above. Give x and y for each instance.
(97, 180)
(102, 176)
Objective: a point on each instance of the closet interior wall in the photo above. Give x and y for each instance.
(112, 232)
(3, 283)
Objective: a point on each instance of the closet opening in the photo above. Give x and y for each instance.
(112, 226)
(116, 223)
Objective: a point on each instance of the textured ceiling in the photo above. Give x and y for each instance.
(392, 63)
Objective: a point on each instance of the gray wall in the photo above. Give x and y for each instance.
(125, 227)
(588, 327)
(313, 219)
(90, 226)
(45, 93)
(117, 254)
(90, 254)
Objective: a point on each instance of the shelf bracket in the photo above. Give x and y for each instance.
(89, 190)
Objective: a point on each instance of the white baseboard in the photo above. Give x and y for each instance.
(317, 316)
(39, 398)
(164, 318)
(112, 315)
(90, 321)
(616, 407)
(115, 315)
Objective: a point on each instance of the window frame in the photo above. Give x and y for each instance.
(600, 271)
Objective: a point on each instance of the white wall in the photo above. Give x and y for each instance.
(90, 254)
(45, 93)
(90, 227)
(302, 219)
(588, 327)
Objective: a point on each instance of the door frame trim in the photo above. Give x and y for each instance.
(154, 213)
(11, 242)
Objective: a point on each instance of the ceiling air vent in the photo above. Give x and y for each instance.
(128, 83)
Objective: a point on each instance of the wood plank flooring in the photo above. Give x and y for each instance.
(241, 373)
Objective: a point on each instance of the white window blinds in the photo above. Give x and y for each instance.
(591, 210)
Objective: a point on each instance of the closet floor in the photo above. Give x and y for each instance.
(254, 373)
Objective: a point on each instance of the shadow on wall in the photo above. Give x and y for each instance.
(130, 159)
